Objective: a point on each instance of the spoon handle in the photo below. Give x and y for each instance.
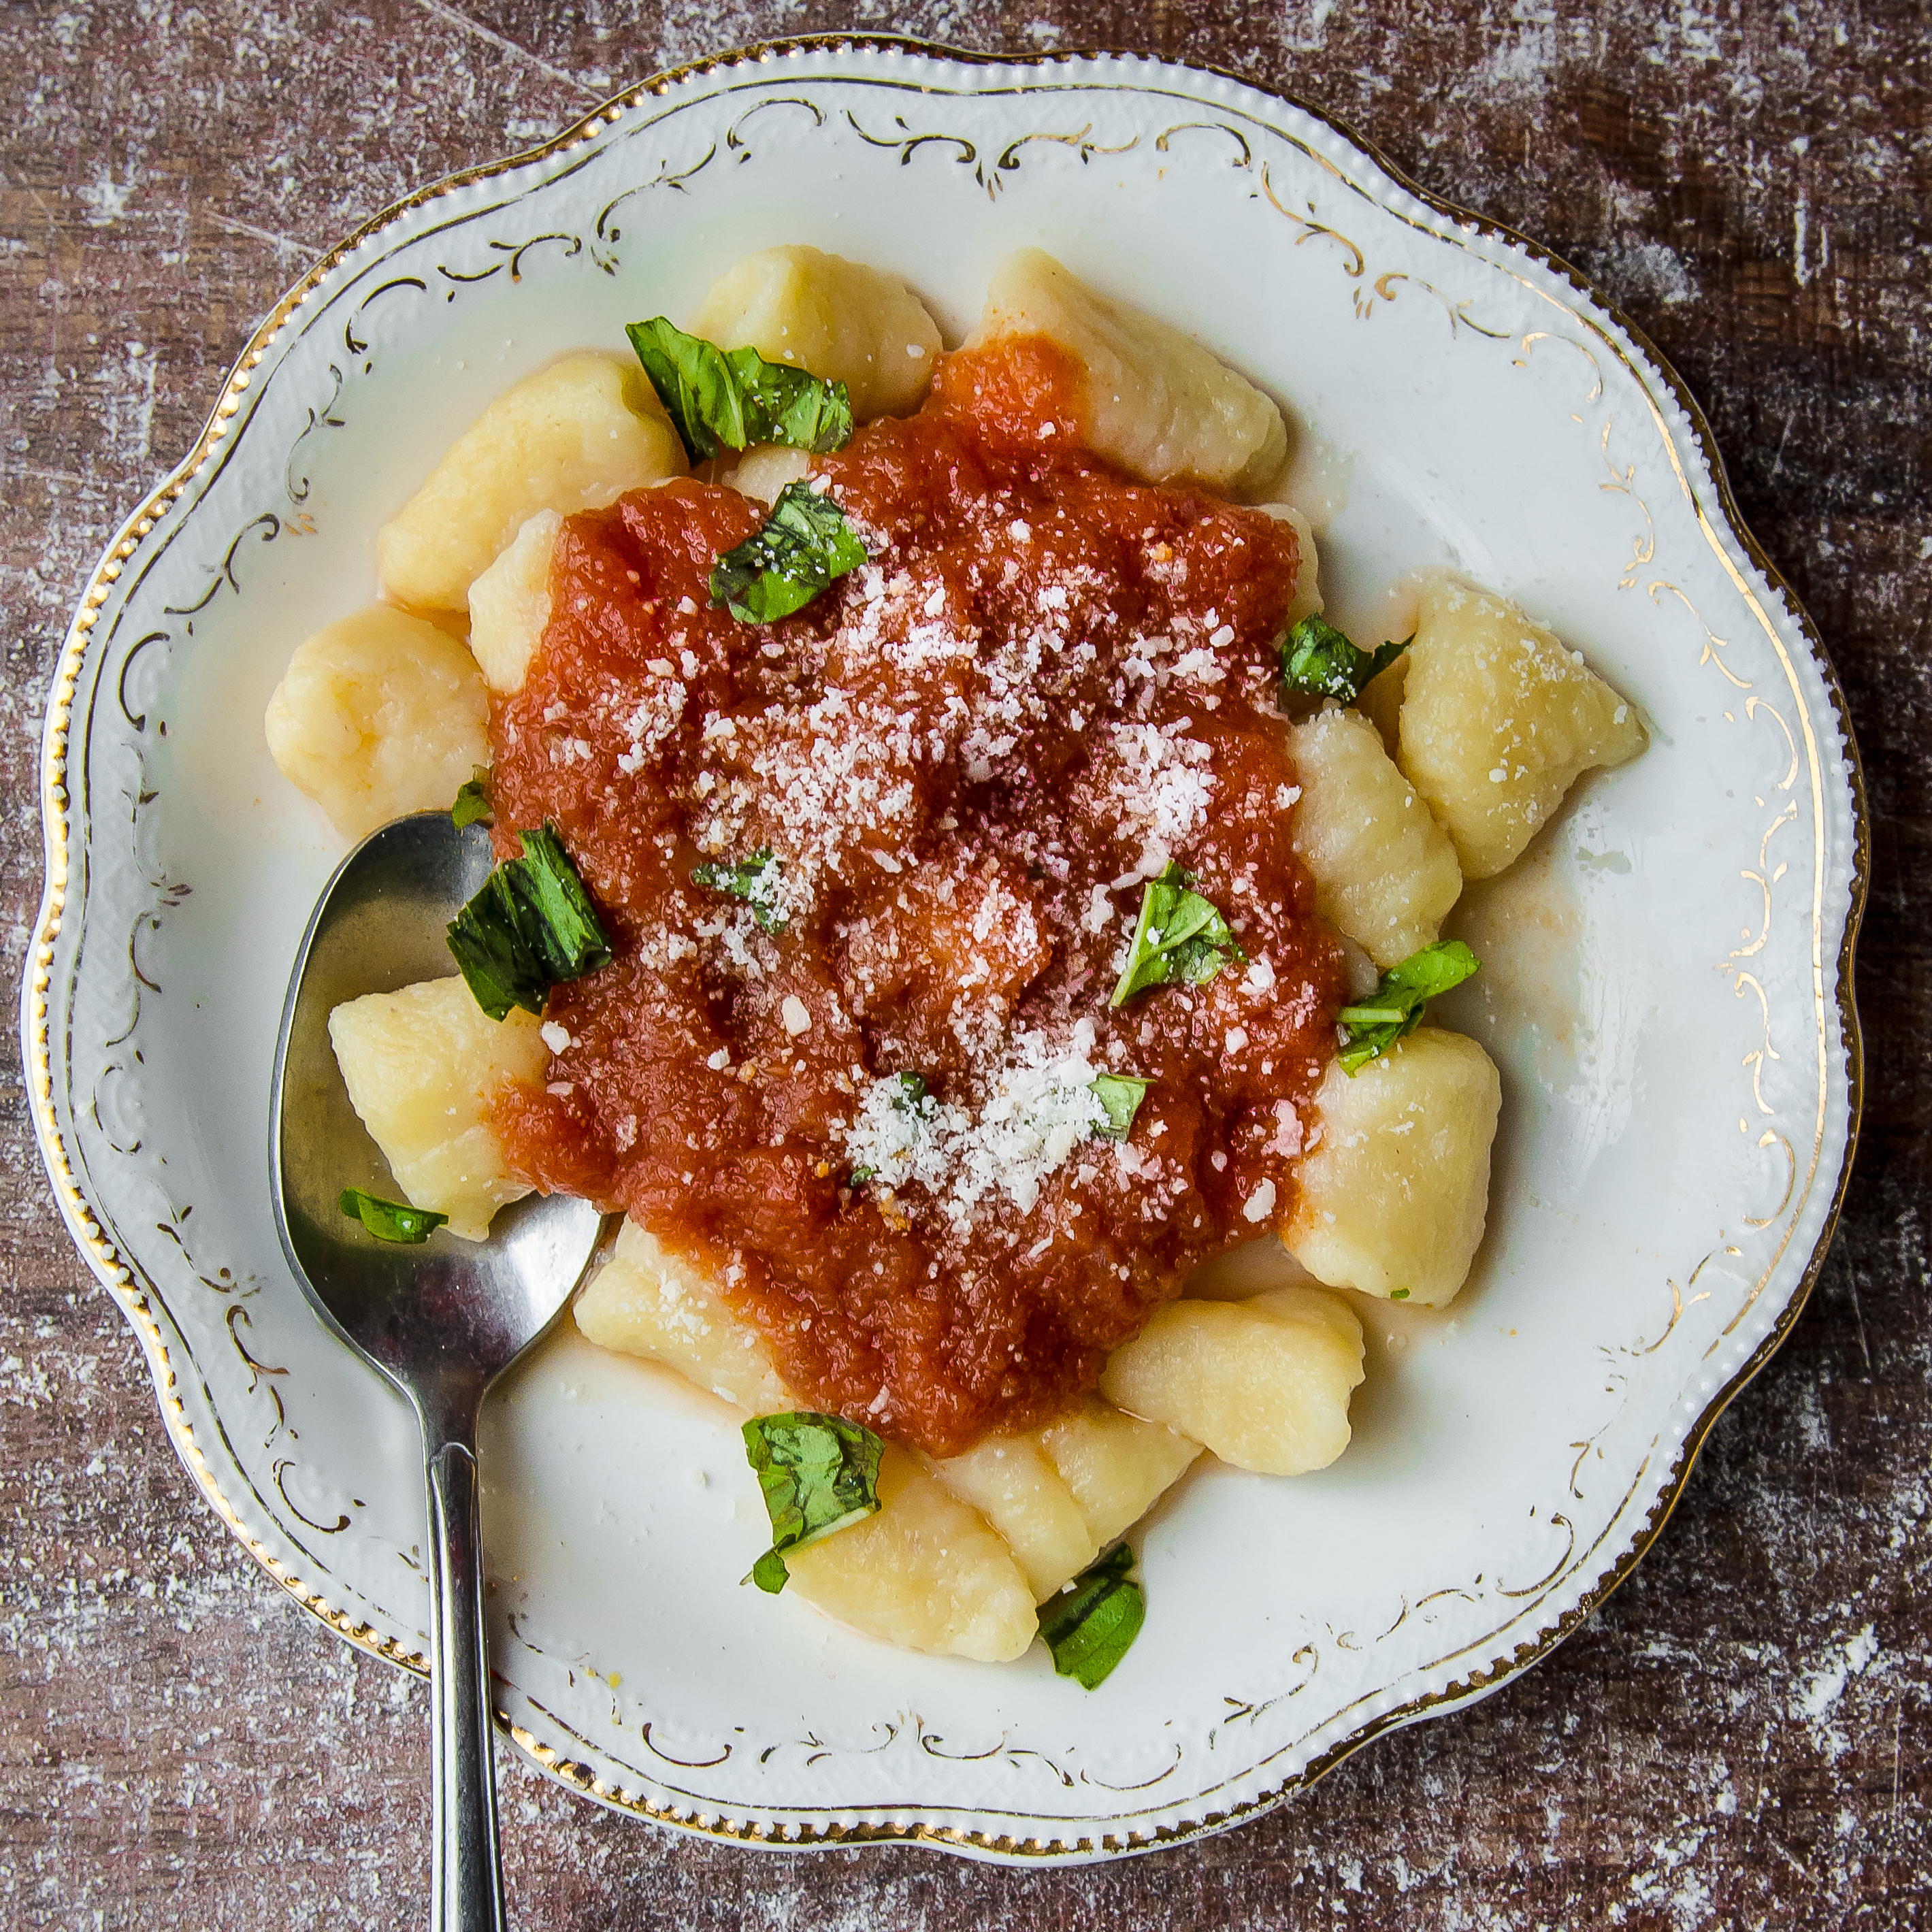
(468, 1880)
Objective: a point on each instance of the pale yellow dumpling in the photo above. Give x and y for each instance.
(574, 437)
(509, 605)
(1053, 1496)
(925, 1573)
(1264, 1384)
(765, 469)
(1009, 1480)
(1380, 702)
(649, 1303)
(1499, 719)
(1061, 1494)
(1155, 402)
(1394, 1193)
(378, 715)
(1384, 871)
(1308, 600)
(840, 320)
(421, 1066)
(1116, 1466)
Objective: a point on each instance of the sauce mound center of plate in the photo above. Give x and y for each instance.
(954, 770)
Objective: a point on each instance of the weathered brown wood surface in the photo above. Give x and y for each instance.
(1740, 1738)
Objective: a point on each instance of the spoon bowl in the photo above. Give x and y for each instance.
(449, 1311)
(442, 1319)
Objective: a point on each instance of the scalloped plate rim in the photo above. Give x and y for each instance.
(119, 1278)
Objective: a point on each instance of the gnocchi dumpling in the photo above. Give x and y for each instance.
(1116, 1466)
(1385, 873)
(1009, 1480)
(1498, 720)
(1240, 1273)
(647, 1302)
(1155, 402)
(574, 437)
(377, 715)
(421, 1066)
(1308, 602)
(1059, 1495)
(925, 1573)
(1264, 1383)
(1380, 702)
(509, 605)
(839, 320)
(1397, 1187)
(765, 469)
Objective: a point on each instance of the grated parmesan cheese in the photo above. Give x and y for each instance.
(1041, 1107)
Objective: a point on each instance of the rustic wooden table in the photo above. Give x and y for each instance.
(1740, 1737)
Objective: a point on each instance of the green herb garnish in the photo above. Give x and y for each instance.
(805, 544)
(1089, 1625)
(819, 1474)
(1180, 936)
(720, 399)
(390, 1220)
(1121, 1095)
(1395, 1010)
(531, 927)
(754, 880)
(472, 806)
(1317, 661)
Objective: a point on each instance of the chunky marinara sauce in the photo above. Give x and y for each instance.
(965, 758)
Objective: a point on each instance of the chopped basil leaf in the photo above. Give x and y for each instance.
(1317, 661)
(805, 544)
(1089, 1625)
(1394, 1010)
(390, 1220)
(720, 399)
(531, 927)
(1121, 1094)
(1180, 936)
(754, 880)
(769, 1573)
(860, 1175)
(819, 1474)
(472, 806)
(1398, 1294)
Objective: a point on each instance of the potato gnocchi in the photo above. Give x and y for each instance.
(574, 436)
(421, 1066)
(1385, 873)
(840, 320)
(961, 1550)
(509, 604)
(1154, 401)
(377, 715)
(1499, 721)
(1443, 768)
(1396, 1187)
(1263, 1384)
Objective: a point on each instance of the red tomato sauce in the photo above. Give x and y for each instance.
(965, 758)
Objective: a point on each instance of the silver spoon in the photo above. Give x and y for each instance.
(442, 1320)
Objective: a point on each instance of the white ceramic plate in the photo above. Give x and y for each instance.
(1674, 1024)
